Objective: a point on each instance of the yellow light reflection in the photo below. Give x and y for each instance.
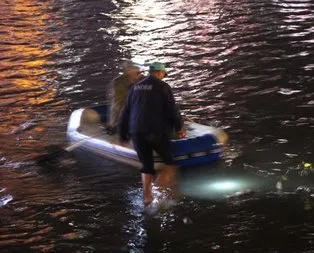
(27, 77)
(26, 53)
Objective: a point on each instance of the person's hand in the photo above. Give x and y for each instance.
(181, 134)
(123, 143)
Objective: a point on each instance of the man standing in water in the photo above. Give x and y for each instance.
(120, 87)
(149, 118)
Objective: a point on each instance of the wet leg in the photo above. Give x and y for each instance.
(167, 179)
(147, 181)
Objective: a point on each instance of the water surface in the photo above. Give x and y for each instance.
(244, 66)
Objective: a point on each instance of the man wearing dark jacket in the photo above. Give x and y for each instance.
(149, 118)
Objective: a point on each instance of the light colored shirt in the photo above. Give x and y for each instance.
(120, 90)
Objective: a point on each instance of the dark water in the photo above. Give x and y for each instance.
(245, 66)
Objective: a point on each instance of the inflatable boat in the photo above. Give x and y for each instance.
(86, 130)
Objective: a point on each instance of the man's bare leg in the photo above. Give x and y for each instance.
(167, 179)
(147, 180)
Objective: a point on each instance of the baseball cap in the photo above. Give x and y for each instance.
(157, 66)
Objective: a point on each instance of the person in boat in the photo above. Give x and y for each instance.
(149, 118)
(120, 89)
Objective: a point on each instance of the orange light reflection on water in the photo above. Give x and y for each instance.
(27, 51)
(28, 80)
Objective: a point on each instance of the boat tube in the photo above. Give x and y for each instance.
(201, 145)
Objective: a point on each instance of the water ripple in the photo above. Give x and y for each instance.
(244, 66)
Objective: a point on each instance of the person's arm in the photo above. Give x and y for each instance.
(174, 113)
(117, 101)
(123, 126)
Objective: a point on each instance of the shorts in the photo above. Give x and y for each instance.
(146, 143)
